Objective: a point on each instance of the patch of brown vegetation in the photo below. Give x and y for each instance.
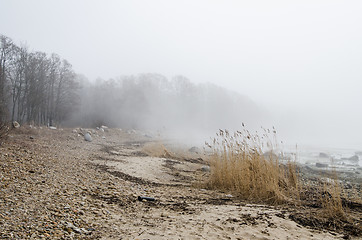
(238, 164)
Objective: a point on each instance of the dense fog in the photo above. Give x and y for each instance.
(170, 106)
(38, 88)
(292, 65)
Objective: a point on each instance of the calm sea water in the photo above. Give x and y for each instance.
(336, 158)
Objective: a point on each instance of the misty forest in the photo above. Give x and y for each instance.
(42, 89)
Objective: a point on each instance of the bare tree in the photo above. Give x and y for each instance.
(65, 99)
(34, 87)
(6, 48)
(16, 74)
(55, 63)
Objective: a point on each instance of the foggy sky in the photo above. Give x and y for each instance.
(301, 60)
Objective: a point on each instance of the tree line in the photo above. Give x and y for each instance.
(41, 89)
(153, 102)
(35, 87)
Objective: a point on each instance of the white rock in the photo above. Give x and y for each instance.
(194, 150)
(205, 168)
(87, 137)
(16, 124)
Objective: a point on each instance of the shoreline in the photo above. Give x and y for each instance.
(55, 185)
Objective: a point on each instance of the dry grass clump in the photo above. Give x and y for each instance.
(331, 199)
(157, 149)
(239, 165)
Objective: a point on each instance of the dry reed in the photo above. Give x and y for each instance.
(157, 149)
(331, 199)
(238, 164)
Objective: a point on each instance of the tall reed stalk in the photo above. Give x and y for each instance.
(238, 164)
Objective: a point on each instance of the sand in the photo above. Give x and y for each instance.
(56, 185)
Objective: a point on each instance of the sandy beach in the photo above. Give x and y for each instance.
(56, 185)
